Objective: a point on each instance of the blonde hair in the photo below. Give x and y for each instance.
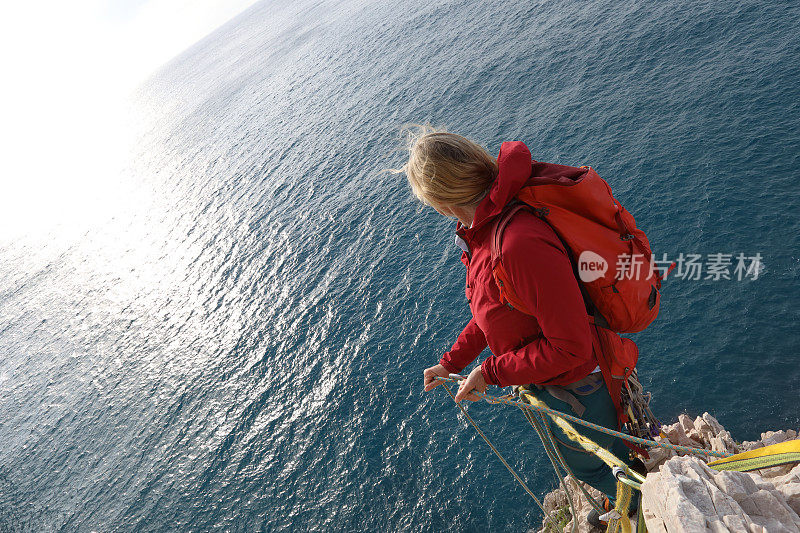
(445, 169)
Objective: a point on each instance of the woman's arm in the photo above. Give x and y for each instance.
(540, 270)
(468, 346)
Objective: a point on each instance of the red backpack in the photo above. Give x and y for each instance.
(598, 234)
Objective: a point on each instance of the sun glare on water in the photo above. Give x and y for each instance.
(68, 121)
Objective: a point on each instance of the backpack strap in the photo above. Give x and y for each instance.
(507, 291)
(500, 227)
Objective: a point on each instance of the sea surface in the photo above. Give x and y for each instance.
(239, 344)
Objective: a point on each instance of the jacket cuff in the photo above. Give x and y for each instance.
(447, 365)
(487, 375)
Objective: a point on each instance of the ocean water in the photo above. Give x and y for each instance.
(239, 345)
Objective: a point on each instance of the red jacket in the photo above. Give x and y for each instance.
(553, 346)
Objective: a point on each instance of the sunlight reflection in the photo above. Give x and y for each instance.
(68, 71)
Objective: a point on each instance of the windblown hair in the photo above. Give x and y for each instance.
(445, 169)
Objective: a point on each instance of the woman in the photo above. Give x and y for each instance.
(553, 346)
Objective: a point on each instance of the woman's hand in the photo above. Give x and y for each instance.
(430, 373)
(475, 381)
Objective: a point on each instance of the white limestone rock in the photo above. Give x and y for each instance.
(658, 456)
(686, 422)
(676, 433)
(791, 493)
(774, 437)
(686, 495)
(716, 427)
(751, 445)
(682, 494)
(723, 442)
(557, 499)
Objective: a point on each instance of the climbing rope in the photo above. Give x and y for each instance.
(617, 523)
(580, 484)
(622, 522)
(502, 459)
(554, 460)
(586, 443)
(552, 412)
(618, 520)
(548, 441)
(627, 479)
(773, 455)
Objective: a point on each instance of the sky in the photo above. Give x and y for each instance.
(67, 68)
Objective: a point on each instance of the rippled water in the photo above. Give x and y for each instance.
(240, 346)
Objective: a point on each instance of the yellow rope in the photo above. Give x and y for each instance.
(624, 493)
(623, 523)
(772, 455)
(588, 444)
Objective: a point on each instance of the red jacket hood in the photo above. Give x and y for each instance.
(514, 168)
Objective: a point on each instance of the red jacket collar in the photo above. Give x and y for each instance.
(514, 168)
